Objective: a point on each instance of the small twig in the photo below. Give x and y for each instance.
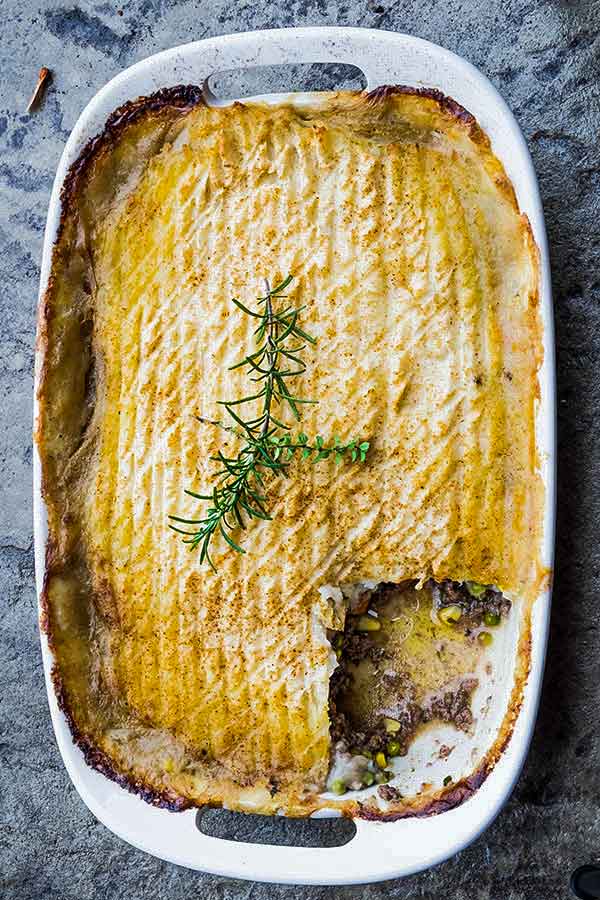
(44, 79)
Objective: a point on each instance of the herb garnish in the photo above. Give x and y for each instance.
(239, 491)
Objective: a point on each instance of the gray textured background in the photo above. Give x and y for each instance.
(544, 58)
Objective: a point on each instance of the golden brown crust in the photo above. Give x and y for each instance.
(65, 471)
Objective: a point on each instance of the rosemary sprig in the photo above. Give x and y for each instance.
(356, 449)
(239, 492)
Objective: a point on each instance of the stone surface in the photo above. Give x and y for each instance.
(544, 57)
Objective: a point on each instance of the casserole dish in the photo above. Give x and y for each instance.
(286, 47)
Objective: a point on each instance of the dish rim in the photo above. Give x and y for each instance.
(130, 817)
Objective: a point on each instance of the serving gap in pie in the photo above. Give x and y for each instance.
(419, 687)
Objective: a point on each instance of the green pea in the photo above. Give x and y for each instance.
(491, 619)
(485, 638)
(394, 748)
(475, 589)
(368, 779)
(338, 786)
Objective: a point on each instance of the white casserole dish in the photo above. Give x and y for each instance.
(378, 850)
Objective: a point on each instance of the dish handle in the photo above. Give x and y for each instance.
(283, 863)
(373, 53)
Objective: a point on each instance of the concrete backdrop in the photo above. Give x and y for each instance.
(543, 55)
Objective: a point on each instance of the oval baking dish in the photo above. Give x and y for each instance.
(379, 850)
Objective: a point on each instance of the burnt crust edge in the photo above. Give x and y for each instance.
(98, 759)
(446, 104)
(187, 97)
(182, 96)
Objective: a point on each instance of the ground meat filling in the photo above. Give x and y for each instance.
(477, 602)
(452, 706)
(388, 792)
(340, 727)
(357, 646)
(364, 657)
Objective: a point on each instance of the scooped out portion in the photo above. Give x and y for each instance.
(408, 658)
